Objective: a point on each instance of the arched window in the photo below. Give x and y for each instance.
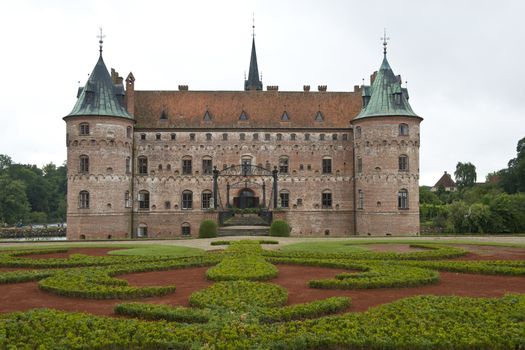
(402, 199)
(143, 200)
(187, 199)
(129, 131)
(207, 165)
(83, 200)
(284, 196)
(127, 201)
(142, 165)
(327, 165)
(128, 165)
(360, 199)
(206, 199)
(403, 162)
(84, 164)
(186, 229)
(84, 129)
(326, 199)
(403, 129)
(186, 165)
(283, 165)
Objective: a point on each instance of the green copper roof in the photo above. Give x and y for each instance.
(253, 82)
(100, 97)
(385, 97)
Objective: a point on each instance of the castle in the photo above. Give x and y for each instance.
(157, 163)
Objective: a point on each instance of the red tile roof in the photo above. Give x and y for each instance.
(445, 181)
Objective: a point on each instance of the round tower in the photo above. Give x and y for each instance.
(99, 159)
(386, 158)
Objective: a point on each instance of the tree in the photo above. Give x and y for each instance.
(14, 206)
(512, 179)
(465, 174)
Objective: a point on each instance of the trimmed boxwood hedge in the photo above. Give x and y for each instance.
(208, 229)
(162, 312)
(302, 311)
(279, 228)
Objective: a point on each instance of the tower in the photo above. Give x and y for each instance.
(253, 82)
(99, 158)
(386, 158)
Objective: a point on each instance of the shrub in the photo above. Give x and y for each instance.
(208, 229)
(162, 312)
(280, 228)
(308, 310)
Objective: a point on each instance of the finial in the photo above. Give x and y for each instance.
(100, 40)
(253, 24)
(385, 39)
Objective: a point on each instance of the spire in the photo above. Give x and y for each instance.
(100, 41)
(100, 96)
(253, 82)
(385, 97)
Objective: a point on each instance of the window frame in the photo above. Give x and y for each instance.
(84, 129)
(187, 166)
(83, 199)
(206, 196)
(142, 165)
(284, 165)
(326, 199)
(144, 200)
(402, 199)
(284, 196)
(207, 169)
(404, 130)
(187, 200)
(83, 164)
(403, 163)
(326, 165)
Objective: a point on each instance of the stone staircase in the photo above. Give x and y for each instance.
(245, 225)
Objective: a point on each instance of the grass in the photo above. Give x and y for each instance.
(159, 250)
(324, 247)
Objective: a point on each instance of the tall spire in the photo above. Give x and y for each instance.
(253, 82)
(385, 39)
(100, 41)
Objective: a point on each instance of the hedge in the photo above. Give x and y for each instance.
(308, 310)
(162, 312)
(239, 295)
(261, 241)
(279, 228)
(208, 229)
(486, 267)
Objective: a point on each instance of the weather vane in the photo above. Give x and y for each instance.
(385, 39)
(100, 40)
(253, 24)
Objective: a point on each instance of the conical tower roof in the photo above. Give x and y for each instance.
(253, 82)
(100, 97)
(386, 96)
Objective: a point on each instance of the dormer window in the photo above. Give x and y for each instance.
(243, 116)
(397, 98)
(285, 117)
(319, 116)
(163, 115)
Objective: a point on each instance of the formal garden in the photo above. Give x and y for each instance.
(261, 294)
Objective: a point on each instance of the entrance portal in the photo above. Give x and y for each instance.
(246, 199)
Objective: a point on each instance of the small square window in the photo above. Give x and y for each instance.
(192, 137)
(157, 137)
(242, 136)
(321, 137)
(345, 137)
(167, 205)
(267, 137)
(208, 137)
(225, 137)
(307, 137)
(173, 136)
(279, 137)
(309, 167)
(301, 167)
(334, 137)
(292, 137)
(142, 136)
(255, 137)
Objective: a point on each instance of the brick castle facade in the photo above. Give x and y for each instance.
(157, 163)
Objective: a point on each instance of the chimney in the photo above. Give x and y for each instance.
(130, 93)
(373, 77)
(306, 88)
(183, 87)
(272, 87)
(321, 88)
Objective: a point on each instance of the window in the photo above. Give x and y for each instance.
(83, 200)
(243, 116)
(319, 116)
(160, 167)
(326, 199)
(242, 136)
(127, 200)
(84, 129)
(402, 199)
(403, 163)
(309, 167)
(283, 165)
(301, 166)
(168, 167)
(173, 136)
(293, 137)
(143, 200)
(128, 165)
(207, 167)
(186, 166)
(267, 137)
(403, 129)
(255, 137)
(157, 137)
(186, 229)
(129, 131)
(279, 137)
(359, 165)
(84, 164)
(299, 202)
(307, 137)
(143, 165)
(357, 132)
(208, 137)
(225, 137)
(167, 205)
(142, 136)
(206, 200)
(345, 137)
(187, 200)
(285, 199)
(246, 165)
(360, 199)
(142, 230)
(334, 137)
(327, 165)
(192, 137)
(321, 137)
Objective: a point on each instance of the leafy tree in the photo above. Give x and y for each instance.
(512, 179)
(427, 197)
(14, 206)
(465, 174)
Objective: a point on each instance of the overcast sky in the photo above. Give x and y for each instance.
(462, 60)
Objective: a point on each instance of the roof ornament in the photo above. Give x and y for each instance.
(385, 39)
(100, 41)
(253, 25)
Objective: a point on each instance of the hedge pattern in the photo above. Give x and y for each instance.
(307, 310)
(162, 312)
